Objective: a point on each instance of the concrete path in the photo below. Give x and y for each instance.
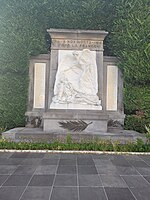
(40, 176)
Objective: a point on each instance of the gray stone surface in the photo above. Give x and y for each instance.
(17, 180)
(24, 170)
(77, 39)
(11, 193)
(66, 169)
(53, 117)
(73, 182)
(141, 193)
(64, 193)
(7, 169)
(52, 161)
(67, 162)
(36, 193)
(42, 180)
(90, 180)
(65, 180)
(37, 134)
(113, 181)
(89, 193)
(3, 178)
(87, 169)
(136, 181)
(46, 169)
(119, 194)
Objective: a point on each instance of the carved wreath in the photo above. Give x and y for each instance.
(78, 126)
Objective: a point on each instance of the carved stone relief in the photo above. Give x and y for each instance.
(76, 80)
(76, 126)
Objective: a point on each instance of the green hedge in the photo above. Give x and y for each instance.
(137, 107)
(102, 145)
(131, 44)
(13, 100)
(137, 98)
(130, 40)
(136, 122)
(21, 35)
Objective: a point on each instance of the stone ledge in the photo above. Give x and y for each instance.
(77, 34)
(38, 135)
(52, 119)
(75, 114)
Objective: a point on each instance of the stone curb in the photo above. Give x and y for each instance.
(72, 152)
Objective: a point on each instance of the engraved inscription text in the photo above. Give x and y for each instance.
(80, 44)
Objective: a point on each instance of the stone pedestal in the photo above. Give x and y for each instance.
(96, 120)
(82, 42)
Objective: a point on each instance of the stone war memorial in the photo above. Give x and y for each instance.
(75, 86)
(74, 89)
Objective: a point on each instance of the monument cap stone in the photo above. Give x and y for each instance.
(77, 39)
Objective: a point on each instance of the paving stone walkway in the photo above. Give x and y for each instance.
(43, 176)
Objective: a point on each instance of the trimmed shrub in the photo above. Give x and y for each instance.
(136, 122)
(137, 107)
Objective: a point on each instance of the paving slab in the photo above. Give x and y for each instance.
(17, 180)
(87, 169)
(119, 194)
(147, 178)
(36, 193)
(25, 170)
(88, 193)
(51, 161)
(121, 170)
(136, 181)
(113, 181)
(90, 180)
(42, 180)
(64, 193)
(65, 180)
(29, 176)
(3, 179)
(46, 169)
(11, 193)
(141, 193)
(66, 169)
(67, 162)
(7, 169)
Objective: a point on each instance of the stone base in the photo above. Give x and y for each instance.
(97, 120)
(23, 134)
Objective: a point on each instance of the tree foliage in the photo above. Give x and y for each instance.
(131, 40)
(21, 35)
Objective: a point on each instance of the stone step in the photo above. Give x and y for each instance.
(38, 135)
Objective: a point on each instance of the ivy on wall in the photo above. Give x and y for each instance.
(23, 26)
